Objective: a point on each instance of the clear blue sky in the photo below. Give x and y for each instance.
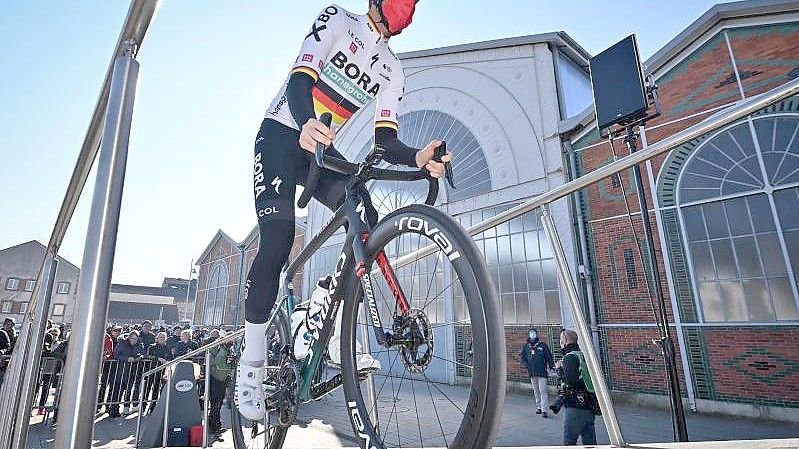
(209, 69)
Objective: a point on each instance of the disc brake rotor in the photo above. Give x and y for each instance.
(414, 336)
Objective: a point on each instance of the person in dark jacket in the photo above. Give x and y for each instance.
(174, 338)
(536, 356)
(59, 352)
(185, 344)
(146, 335)
(49, 365)
(577, 389)
(159, 354)
(127, 354)
(8, 338)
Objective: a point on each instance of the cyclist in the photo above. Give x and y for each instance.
(344, 63)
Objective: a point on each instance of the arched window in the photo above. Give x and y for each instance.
(738, 197)
(417, 129)
(215, 295)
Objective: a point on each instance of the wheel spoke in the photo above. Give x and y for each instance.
(453, 362)
(438, 418)
(442, 393)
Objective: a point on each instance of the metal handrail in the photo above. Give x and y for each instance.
(724, 117)
(134, 29)
(13, 431)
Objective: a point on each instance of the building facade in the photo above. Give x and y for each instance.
(132, 304)
(518, 115)
(725, 208)
(223, 268)
(19, 270)
(498, 105)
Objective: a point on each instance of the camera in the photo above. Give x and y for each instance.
(580, 399)
(558, 404)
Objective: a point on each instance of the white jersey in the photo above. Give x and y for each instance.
(352, 65)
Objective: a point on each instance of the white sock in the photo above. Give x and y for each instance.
(254, 342)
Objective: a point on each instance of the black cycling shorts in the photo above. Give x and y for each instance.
(280, 165)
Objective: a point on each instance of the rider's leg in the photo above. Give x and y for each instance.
(274, 172)
(274, 178)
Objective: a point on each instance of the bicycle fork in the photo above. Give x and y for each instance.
(362, 272)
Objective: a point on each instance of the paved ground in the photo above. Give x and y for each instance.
(324, 424)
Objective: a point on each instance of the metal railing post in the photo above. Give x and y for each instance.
(142, 386)
(91, 308)
(166, 406)
(206, 396)
(583, 331)
(25, 361)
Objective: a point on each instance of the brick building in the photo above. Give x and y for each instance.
(224, 265)
(518, 115)
(726, 211)
(19, 270)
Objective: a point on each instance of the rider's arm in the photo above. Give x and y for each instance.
(298, 96)
(387, 124)
(396, 151)
(314, 51)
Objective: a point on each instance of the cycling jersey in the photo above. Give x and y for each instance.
(352, 65)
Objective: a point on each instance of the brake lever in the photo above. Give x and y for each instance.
(326, 119)
(437, 155)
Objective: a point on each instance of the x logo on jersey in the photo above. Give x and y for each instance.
(315, 32)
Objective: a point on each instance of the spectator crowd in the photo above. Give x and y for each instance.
(129, 351)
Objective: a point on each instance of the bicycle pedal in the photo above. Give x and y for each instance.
(364, 373)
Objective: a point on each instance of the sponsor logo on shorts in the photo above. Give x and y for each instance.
(307, 57)
(258, 176)
(276, 184)
(267, 211)
(385, 113)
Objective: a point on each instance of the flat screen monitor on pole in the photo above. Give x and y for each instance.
(618, 83)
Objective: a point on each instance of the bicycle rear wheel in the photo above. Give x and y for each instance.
(266, 434)
(442, 381)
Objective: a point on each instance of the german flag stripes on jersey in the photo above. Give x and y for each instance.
(351, 65)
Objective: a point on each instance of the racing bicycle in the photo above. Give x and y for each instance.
(413, 291)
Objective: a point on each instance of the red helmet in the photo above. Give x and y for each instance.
(395, 15)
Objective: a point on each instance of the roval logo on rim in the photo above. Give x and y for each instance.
(423, 226)
(357, 422)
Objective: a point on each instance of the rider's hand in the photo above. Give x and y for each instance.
(424, 158)
(313, 132)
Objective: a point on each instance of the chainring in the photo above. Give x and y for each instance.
(287, 403)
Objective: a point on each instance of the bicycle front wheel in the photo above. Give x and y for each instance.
(441, 380)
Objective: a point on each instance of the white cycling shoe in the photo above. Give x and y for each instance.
(250, 391)
(363, 361)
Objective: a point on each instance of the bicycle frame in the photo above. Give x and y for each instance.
(356, 211)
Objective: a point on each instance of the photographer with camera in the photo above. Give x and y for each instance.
(576, 393)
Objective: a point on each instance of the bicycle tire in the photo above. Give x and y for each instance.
(239, 423)
(486, 392)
